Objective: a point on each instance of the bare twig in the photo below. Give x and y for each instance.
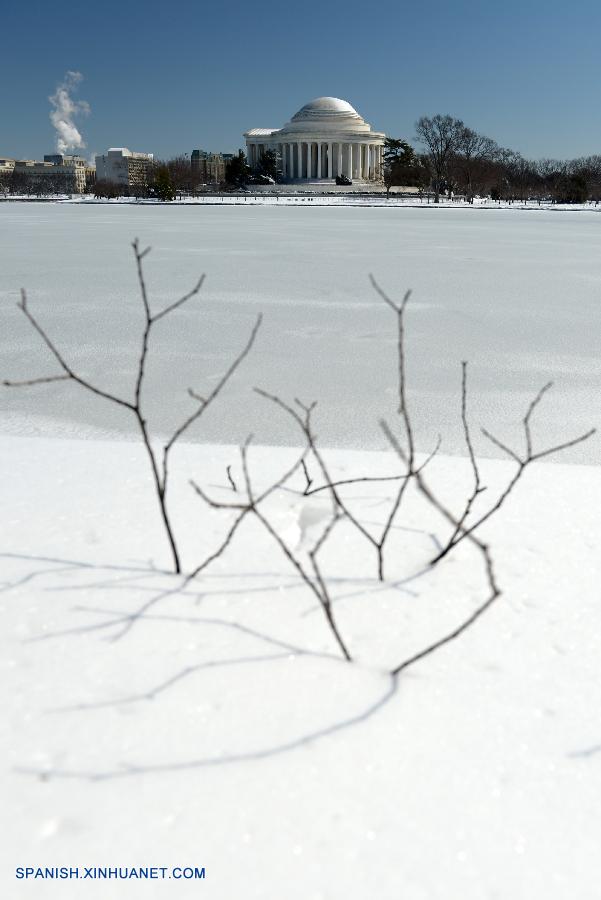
(308, 479)
(228, 471)
(478, 487)
(462, 530)
(32, 381)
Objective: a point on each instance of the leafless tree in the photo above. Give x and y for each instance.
(472, 158)
(440, 135)
(159, 460)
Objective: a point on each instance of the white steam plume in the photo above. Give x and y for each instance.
(64, 110)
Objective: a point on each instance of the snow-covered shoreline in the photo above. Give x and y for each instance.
(369, 200)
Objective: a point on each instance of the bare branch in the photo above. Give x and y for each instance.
(502, 446)
(528, 416)
(139, 256)
(309, 481)
(565, 446)
(33, 381)
(228, 470)
(494, 590)
(205, 402)
(477, 488)
(522, 464)
(169, 309)
(23, 306)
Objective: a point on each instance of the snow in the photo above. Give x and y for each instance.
(153, 722)
(514, 292)
(221, 730)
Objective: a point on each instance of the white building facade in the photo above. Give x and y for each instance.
(325, 139)
(122, 166)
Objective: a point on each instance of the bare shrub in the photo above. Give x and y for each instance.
(464, 525)
(158, 460)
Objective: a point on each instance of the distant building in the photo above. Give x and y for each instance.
(121, 166)
(6, 166)
(326, 139)
(57, 159)
(208, 168)
(57, 174)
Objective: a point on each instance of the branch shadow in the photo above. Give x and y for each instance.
(128, 770)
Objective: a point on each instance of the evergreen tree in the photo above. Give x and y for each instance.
(237, 170)
(162, 187)
(268, 164)
(401, 165)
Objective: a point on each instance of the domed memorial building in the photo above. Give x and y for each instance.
(326, 138)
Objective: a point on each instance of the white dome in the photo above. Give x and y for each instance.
(326, 107)
(325, 139)
(326, 115)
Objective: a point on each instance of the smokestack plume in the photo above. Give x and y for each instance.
(64, 110)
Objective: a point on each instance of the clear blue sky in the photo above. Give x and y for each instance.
(166, 78)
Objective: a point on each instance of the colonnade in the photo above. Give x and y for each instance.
(317, 159)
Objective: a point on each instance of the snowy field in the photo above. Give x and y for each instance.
(517, 293)
(152, 722)
(222, 730)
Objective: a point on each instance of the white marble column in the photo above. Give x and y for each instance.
(330, 148)
(349, 162)
(298, 159)
(319, 163)
(339, 159)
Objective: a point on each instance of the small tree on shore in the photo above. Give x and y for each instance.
(268, 164)
(162, 187)
(237, 169)
(402, 165)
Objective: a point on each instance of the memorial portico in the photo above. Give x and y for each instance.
(325, 139)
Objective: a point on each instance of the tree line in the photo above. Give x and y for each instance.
(457, 159)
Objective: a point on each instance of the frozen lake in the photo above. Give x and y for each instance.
(517, 293)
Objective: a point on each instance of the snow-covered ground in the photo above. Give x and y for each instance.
(220, 727)
(222, 730)
(315, 195)
(515, 294)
